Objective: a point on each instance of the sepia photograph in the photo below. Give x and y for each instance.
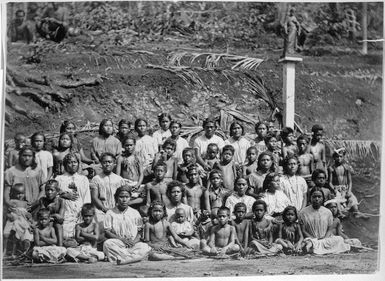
(169, 139)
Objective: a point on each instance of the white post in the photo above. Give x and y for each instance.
(364, 28)
(289, 89)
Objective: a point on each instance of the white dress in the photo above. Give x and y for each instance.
(294, 187)
(240, 147)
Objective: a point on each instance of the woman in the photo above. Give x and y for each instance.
(75, 189)
(122, 225)
(239, 142)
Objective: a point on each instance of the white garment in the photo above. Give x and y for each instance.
(146, 147)
(276, 202)
(44, 160)
(235, 198)
(295, 188)
(160, 136)
(181, 144)
(171, 212)
(124, 224)
(240, 147)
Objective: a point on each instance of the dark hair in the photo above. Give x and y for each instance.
(176, 122)
(238, 205)
(160, 163)
(215, 171)
(303, 137)
(287, 159)
(164, 115)
(119, 135)
(240, 178)
(64, 125)
(264, 153)
(173, 184)
(269, 136)
(43, 211)
(233, 125)
(13, 193)
(104, 121)
(289, 208)
(53, 182)
(259, 202)
(104, 154)
(212, 145)
(286, 131)
(316, 128)
(316, 173)
(137, 121)
(259, 124)
(171, 142)
(20, 11)
(72, 149)
(228, 147)
(152, 205)
(124, 121)
(38, 134)
(120, 190)
(315, 189)
(268, 180)
(67, 158)
(19, 134)
(129, 137)
(28, 147)
(223, 208)
(209, 120)
(250, 149)
(88, 207)
(192, 167)
(189, 149)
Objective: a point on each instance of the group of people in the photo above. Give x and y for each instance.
(138, 195)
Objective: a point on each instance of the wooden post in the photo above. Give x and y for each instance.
(364, 28)
(289, 89)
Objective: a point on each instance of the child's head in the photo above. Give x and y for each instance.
(27, 157)
(302, 143)
(252, 154)
(215, 178)
(271, 182)
(106, 127)
(17, 192)
(209, 126)
(332, 205)
(236, 130)
(157, 211)
(129, 144)
(289, 215)
(241, 186)
(141, 126)
(38, 141)
(265, 161)
(175, 127)
(88, 213)
(317, 197)
(188, 155)
(107, 160)
(180, 215)
(164, 121)
(175, 192)
(271, 141)
(68, 127)
(20, 140)
(212, 151)
(240, 211)
(270, 126)
(319, 177)
(51, 189)
(261, 129)
(43, 216)
(160, 170)
(317, 131)
(169, 146)
(287, 135)
(124, 127)
(122, 196)
(193, 174)
(259, 209)
(71, 163)
(223, 215)
(339, 155)
(227, 153)
(290, 165)
(65, 141)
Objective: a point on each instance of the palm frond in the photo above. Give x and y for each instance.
(357, 148)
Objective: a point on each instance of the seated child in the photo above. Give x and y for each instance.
(156, 190)
(212, 155)
(252, 163)
(239, 196)
(242, 226)
(45, 249)
(188, 156)
(222, 236)
(319, 179)
(184, 229)
(230, 170)
(203, 225)
(261, 231)
(195, 193)
(217, 193)
(166, 155)
(18, 220)
(87, 235)
(290, 233)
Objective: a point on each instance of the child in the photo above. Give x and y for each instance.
(261, 130)
(289, 147)
(239, 142)
(167, 156)
(290, 233)
(230, 170)
(317, 147)
(265, 166)
(272, 145)
(164, 132)
(217, 192)
(157, 189)
(195, 193)
(52, 202)
(176, 193)
(181, 143)
(18, 220)
(65, 146)
(222, 236)
(212, 155)
(146, 146)
(129, 165)
(305, 159)
(124, 131)
(13, 154)
(242, 226)
(87, 235)
(340, 180)
(105, 142)
(188, 159)
(261, 233)
(274, 197)
(184, 229)
(294, 186)
(239, 196)
(252, 164)
(45, 249)
(43, 157)
(157, 230)
(319, 179)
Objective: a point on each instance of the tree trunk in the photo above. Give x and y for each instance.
(364, 28)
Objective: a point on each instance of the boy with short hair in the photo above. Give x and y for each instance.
(13, 154)
(317, 147)
(241, 225)
(195, 192)
(230, 170)
(156, 190)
